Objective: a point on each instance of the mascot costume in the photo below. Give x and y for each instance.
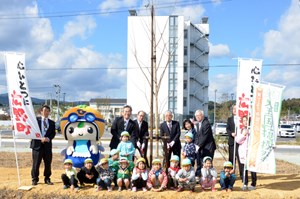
(83, 127)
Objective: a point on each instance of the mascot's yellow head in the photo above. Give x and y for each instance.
(82, 123)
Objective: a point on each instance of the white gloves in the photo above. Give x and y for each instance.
(138, 144)
(143, 146)
(171, 144)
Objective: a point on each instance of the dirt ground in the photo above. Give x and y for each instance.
(285, 184)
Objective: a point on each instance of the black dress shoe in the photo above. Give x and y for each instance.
(34, 183)
(48, 182)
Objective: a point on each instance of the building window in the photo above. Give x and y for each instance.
(171, 103)
(174, 21)
(185, 34)
(185, 50)
(185, 67)
(184, 84)
(184, 102)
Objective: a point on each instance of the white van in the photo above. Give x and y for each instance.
(221, 129)
(286, 130)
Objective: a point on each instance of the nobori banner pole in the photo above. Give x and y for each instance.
(16, 156)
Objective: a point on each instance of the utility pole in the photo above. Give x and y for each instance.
(57, 91)
(215, 110)
(46, 100)
(64, 98)
(50, 100)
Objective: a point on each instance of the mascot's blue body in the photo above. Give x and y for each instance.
(83, 127)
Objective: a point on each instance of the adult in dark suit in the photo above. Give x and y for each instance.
(42, 148)
(204, 139)
(141, 135)
(171, 129)
(231, 140)
(120, 124)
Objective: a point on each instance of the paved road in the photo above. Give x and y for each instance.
(283, 152)
(288, 153)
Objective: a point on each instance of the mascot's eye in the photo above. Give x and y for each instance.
(71, 130)
(90, 130)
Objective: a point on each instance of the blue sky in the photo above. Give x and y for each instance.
(268, 30)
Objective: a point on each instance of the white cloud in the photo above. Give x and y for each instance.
(217, 2)
(224, 84)
(82, 26)
(41, 31)
(36, 38)
(283, 46)
(291, 92)
(115, 4)
(288, 78)
(87, 83)
(192, 13)
(23, 34)
(219, 50)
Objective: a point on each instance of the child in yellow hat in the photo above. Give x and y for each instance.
(87, 173)
(140, 175)
(106, 175)
(69, 178)
(227, 177)
(157, 177)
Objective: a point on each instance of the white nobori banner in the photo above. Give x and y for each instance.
(264, 126)
(22, 113)
(249, 72)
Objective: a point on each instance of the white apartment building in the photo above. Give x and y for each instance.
(181, 64)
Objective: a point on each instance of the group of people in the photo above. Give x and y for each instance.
(122, 170)
(200, 140)
(118, 171)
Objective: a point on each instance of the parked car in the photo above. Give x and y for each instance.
(298, 127)
(57, 126)
(220, 129)
(286, 130)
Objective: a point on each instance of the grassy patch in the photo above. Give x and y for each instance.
(291, 142)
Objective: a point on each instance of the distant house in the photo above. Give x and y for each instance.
(108, 107)
(4, 111)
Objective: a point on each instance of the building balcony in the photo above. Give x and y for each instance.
(196, 57)
(193, 95)
(201, 48)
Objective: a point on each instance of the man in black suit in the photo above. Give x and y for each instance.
(141, 135)
(42, 148)
(120, 124)
(231, 131)
(171, 129)
(203, 139)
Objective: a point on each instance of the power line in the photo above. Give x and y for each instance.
(97, 12)
(134, 68)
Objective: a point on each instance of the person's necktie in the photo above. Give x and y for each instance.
(45, 126)
(170, 126)
(125, 125)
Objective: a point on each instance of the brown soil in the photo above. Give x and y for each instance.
(285, 184)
